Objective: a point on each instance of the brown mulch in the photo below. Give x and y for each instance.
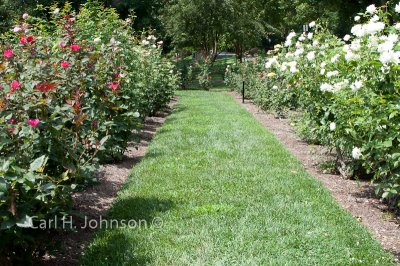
(355, 196)
(96, 200)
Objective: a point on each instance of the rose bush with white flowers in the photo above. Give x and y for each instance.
(72, 92)
(348, 92)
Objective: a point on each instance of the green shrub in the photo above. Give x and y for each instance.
(347, 90)
(72, 91)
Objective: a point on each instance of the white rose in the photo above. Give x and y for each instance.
(356, 153)
(357, 85)
(311, 56)
(371, 9)
(332, 73)
(375, 18)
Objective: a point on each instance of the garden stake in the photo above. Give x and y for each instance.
(243, 93)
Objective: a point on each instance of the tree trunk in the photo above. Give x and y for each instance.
(205, 45)
(215, 49)
(238, 51)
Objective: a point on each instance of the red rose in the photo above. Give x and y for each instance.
(75, 47)
(30, 39)
(44, 87)
(65, 64)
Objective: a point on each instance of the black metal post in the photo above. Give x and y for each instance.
(243, 93)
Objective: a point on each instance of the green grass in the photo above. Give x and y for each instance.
(228, 193)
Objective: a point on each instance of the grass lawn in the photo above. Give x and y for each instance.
(228, 193)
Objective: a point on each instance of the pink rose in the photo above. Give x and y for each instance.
(22, 40)
(114, 86)
(65, 64)
(25, 16)
(15, 84)
(8, 53)
(34, 122)
(75, 47)
(17, 29)
(62, 45)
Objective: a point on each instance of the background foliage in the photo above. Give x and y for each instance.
(237, 25)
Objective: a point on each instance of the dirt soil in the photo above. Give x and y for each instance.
(355, 196)
(96, 200)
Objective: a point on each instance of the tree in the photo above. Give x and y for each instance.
(202, 23)
(3, 16)
(282, 16)
(146, 11)
(245, 26)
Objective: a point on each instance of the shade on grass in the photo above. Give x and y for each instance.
(228, 193)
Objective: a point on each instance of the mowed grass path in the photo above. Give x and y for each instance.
(228, 193)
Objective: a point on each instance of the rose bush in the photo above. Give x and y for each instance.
(73, 90)
(348, 92)
(196, 71)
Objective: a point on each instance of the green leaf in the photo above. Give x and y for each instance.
(49, 186)
(5, 166)
(385, 195)
(31, 177)
(103, 140)
(58, 127)
(39, 164)
(64, 176)
(3, 185)
(387, 144)
(7, 224)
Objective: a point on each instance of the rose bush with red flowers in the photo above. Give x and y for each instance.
(72, 93)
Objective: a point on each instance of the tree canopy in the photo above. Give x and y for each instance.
(212, 24)
(204, 23)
